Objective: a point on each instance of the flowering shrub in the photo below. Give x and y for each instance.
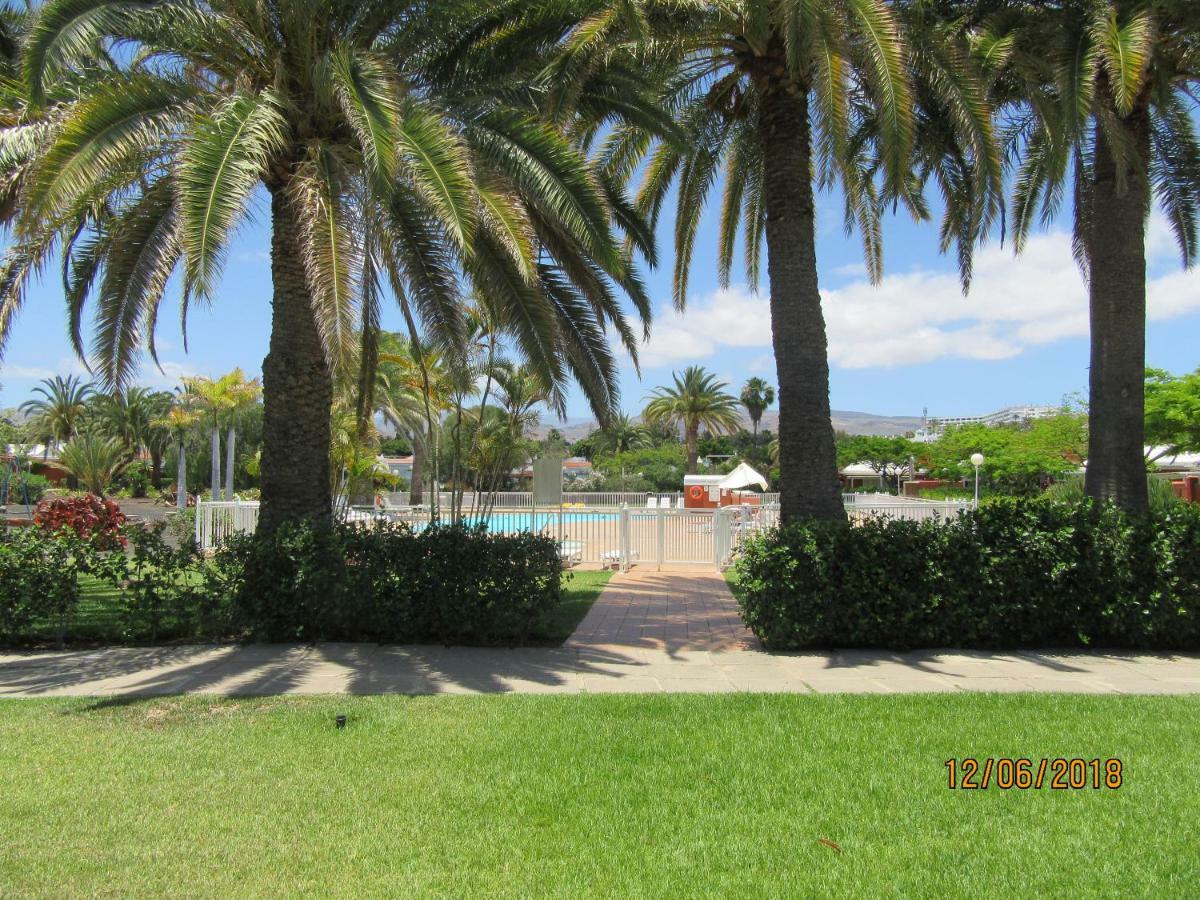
(88, 516)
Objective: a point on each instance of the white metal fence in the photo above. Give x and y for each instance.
(617, 535)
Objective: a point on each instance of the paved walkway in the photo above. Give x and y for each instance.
(648, 632)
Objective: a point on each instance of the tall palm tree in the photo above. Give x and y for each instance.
(775, 95)
(180, 420)
(1100, 95)
(696, 399)
(58, 410)
(242, 396)
(396, 149)
(757, 395)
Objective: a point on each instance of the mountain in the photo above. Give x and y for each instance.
(843, 420)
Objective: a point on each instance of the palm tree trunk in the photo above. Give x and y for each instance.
(807, 454)
(216, 464)
(230, 438)
(181, 497)
(691, 437)
(1116, 466)
(156, 459)
(297, 388)
(416, 487)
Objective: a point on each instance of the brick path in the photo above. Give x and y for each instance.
(667, 610)
(648, 632)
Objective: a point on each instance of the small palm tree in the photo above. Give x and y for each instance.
(757, 395)
(134, 417)
(1101, 97)
(622, 434)
(94, 461)
(696, 399)
(59, 409)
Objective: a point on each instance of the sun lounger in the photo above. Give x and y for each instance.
(614, 558)
(570, 552)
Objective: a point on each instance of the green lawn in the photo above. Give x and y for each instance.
(672, 795)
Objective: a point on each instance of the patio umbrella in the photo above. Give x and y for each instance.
(742, 477)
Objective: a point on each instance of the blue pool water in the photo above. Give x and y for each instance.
(514, 521)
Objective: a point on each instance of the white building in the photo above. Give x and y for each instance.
(1009, 415)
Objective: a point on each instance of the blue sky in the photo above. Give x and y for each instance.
(1020, 336)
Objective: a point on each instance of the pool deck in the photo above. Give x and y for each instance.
(649, 632)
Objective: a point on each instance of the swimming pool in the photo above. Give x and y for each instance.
(510, 522)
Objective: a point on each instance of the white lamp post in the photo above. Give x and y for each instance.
(977, 461)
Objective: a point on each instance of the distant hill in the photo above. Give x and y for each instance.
(843, 420)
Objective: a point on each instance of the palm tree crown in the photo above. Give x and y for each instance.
(58, 410)
(696, 399)
(396, 154)
(757, 395)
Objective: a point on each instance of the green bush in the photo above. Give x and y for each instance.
(1011, 574)
(39, 579)
(450, 584)
(161, 586)
(26, 488)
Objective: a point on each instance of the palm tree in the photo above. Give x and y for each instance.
(242, 395)
(696, 399)
(622, 434)
(134, 417)
(1101, 96)
(396, 148)
(757, 395)
(774, 94)
(94, 460)
(58, 410)
(179, 420)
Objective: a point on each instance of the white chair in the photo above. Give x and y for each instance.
(570, 553)
(614, 558)
(651, 502)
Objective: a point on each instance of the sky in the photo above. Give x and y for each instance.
(912, 342)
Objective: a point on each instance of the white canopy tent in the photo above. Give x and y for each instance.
(743, 477)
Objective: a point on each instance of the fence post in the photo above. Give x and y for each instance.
(661, 543)
(720, 531)
(199, 519)
(625, 537)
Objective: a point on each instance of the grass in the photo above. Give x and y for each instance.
(675, 795)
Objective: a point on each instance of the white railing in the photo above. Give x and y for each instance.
(618, 535)
(216, 521)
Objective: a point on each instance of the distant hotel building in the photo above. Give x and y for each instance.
(1011, 415)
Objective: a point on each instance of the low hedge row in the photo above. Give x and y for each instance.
(1011, 574)
(331, 582)
(450, 584)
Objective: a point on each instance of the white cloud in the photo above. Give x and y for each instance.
(921, 316)
(19, 371)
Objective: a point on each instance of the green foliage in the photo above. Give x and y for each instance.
(94, 461)
(887, 456)
(396, 446)
(1159, 491)
(659, 468)
(1173, 411)
(25, 487)
(135, 479)
(1018, 459)
(1012, 574)
(342, 582)
(39, 578)
(160, 584)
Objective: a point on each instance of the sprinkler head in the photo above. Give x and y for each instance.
(341, 720)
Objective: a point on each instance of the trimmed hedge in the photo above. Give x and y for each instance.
(450, 584)
(453, 585)
(1011, 574)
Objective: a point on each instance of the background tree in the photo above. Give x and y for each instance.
(1100, 94)
(1172, 413)
(886, 456)
(134, 417)
(57, 410)
(398, 149)
(697, 399)
(180, 420)
(757, 395)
